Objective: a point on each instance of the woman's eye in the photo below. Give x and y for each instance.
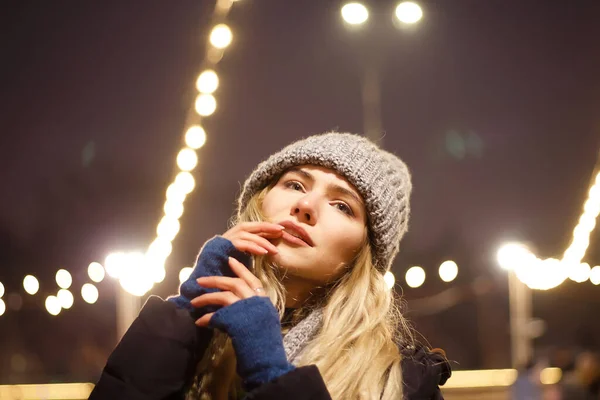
(294, 185)
(343, 207)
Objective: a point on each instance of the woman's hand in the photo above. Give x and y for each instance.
(246, 285)
(252, 237)
(250, 319)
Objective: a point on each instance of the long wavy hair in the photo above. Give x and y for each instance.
(357, 347)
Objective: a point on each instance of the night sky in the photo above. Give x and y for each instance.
(494, 105)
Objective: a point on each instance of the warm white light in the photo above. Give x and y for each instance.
(195, 137)
(409, 12)
(167, 228)
(65, 298)
(114, 264)
(543, 274)
(173, 210)
(205, 105)
(390, 279)
(31, 284)
(53, 305)
(595, 275)
(185, 273)
(415, 277)
(185, 181)
(89, 293)
(580, 273)
(355, 13)
(448, 271)
(63, 279)
(550, 376)
(175, 193)
(514, 255)
(221, 36)
(482, 378)
(159, 249)
(156, 269)
(207, 82)
(136, 278)
(187, 159)
(2, 307)
(96, 272)
(1, 289)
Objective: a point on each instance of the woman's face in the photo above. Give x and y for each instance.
(326, 211)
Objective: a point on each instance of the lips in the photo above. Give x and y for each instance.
(296, 233)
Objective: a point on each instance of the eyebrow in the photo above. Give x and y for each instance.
(333, 187)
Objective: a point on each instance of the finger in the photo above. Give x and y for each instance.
(249, 247)
(223, 299)
(237, 286)
(261, 241)
(252, 282)
(257, 227)
(204, 320)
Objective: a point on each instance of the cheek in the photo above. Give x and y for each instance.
(344, 240)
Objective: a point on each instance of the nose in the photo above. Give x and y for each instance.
(305, 210)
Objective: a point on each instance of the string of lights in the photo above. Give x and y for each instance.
(137, 272)
(544, 274)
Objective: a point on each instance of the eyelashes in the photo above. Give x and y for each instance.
(341, 206)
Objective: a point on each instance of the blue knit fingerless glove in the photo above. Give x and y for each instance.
(213, 260)
(255, 331)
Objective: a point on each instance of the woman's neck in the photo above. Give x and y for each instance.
(298, 290)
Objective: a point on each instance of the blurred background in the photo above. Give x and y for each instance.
(127, 129)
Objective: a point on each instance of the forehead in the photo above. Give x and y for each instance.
(325, 175)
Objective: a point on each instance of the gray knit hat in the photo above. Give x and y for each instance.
(380, 177)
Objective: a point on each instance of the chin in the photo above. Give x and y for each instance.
(291, 259)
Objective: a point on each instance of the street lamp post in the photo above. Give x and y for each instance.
(510, 257)
(356, 15)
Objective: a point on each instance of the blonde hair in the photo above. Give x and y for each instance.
(357, 348)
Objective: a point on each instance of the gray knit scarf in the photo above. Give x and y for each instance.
(298, 337)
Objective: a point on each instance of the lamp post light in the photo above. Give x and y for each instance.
(510, 257)
(356, 16)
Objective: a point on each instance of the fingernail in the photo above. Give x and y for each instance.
(281, 227)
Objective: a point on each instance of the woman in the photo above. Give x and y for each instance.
(318, 225)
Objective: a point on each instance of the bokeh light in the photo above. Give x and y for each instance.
(595, 275)
(448, 271)
(96, 272)
(187, 159)
(175, 193)
(221, 36)
(415, 277)
(409, 12)
(135, 278)
(355, 13)
(31, 284)
(89, 293)
(173, 209)
(53, 305)
(195, 137)
(514, 255)
(113, 264)
(63, 279)
(159, 249)
(167, 228)
(205, 105)
(185, 273)
(390, 279)
(1, 289)
(2, 307)
(65, 298)
(580, 273)
(207, 82)
(185, 181)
